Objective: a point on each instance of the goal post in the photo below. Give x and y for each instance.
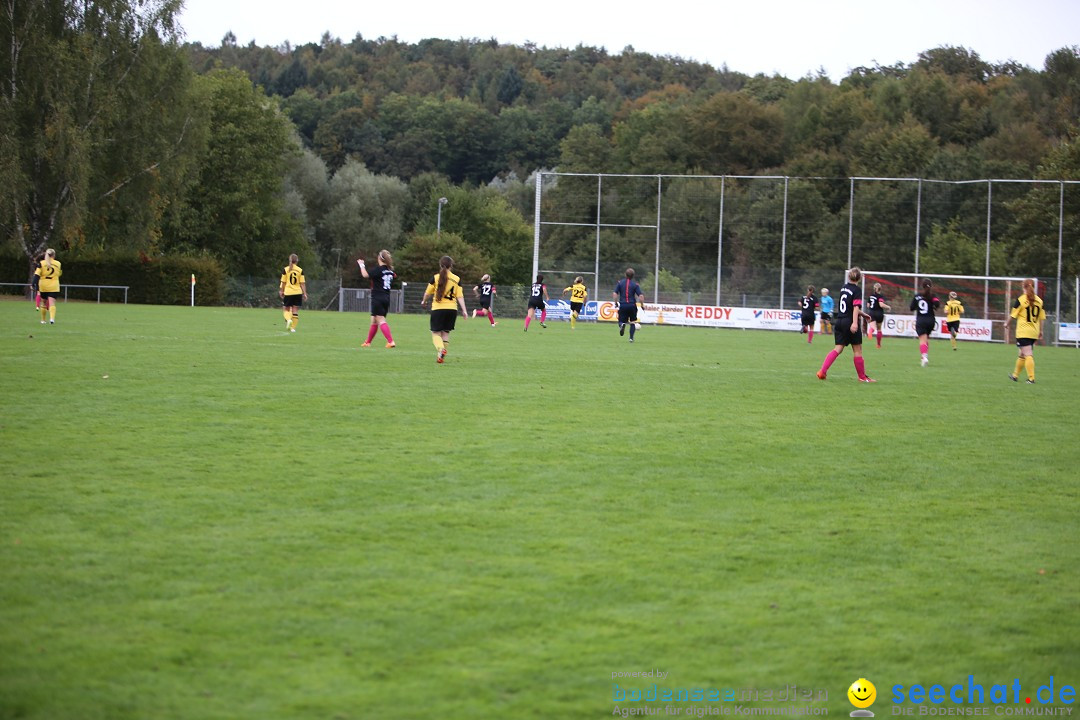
(987, 301)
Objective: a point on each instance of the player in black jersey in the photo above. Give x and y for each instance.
(847, 329)
(808, 303)
(486, 292)
(538, 296)
(924, 305)
(381, 279)
(876, 307)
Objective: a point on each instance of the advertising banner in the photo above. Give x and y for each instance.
(773, 319)
(1069, 332)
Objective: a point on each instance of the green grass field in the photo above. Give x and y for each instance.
(203, 516)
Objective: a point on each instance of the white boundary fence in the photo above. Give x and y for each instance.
(64, 288)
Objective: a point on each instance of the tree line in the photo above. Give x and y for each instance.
(117, 136)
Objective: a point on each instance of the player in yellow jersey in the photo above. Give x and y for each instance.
(953, 310)
(578, 293)
(293, 292)
(1028, 312)
(48, 274)
(446, 296)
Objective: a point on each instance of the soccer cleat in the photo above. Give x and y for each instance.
(622, 329)
(1013, 377)
(820, 375)
(1030, 382)
(367, 344)
(391, 345)
(441, 356)
(52, 322)
(494, 324)
(543, 326)
(292, 329)
(867, 379)
(925, 361)
(42, 322)
(631, 339)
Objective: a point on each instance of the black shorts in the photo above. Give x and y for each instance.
(954, 325)
(485, 303)
(443, 320)
(292, 301)
(627, 313)
(826, 316)
(877, 317)
(843, 335)
(537, 304)
(807, 320)
(380, 306)
(576, 307)
(50, 294)
(925, 327)
(1020, 342)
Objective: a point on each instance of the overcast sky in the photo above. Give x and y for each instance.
(788, 37)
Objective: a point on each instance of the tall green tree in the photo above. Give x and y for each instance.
(92, 118)
(235, 209)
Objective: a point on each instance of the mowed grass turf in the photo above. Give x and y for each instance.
(204, 516)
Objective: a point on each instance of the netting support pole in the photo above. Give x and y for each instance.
(918, 223)
(989, 209)
(720, 243)
(1061, 230)
(656, 267)
(599, 195)
(850, 219)
(536, 223)
(783, 245)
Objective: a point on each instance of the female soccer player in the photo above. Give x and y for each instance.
(293, 292)
(48, 274)
(848, 330)
(876, 307)
(628, 295)
(380, 297)
(953, 310)
(1028, 312)
(486, 292)
(446, 295)
(924, 305)
(826, 311)
(807, 303)
(578, 293)
(538, 296)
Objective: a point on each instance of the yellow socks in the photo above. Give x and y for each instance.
(1029, 363)
(1019, 366)
(573, 320)
(288, 315)
(437, 340)
(953, 339)
(44, 313)
(295, 319)
(52, 313)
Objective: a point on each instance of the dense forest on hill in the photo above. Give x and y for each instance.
(118, 137)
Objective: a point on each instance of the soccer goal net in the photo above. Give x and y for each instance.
(986, 301)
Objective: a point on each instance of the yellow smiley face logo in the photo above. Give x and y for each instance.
(862, 693)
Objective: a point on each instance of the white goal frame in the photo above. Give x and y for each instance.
(933, 276)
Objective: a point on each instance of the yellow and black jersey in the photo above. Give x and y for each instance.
(1029, 317)
(578, 292)
(450, 294)
(953, 310)
(291, 277)
(49, 276)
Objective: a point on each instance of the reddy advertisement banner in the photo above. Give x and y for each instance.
(773, 319)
